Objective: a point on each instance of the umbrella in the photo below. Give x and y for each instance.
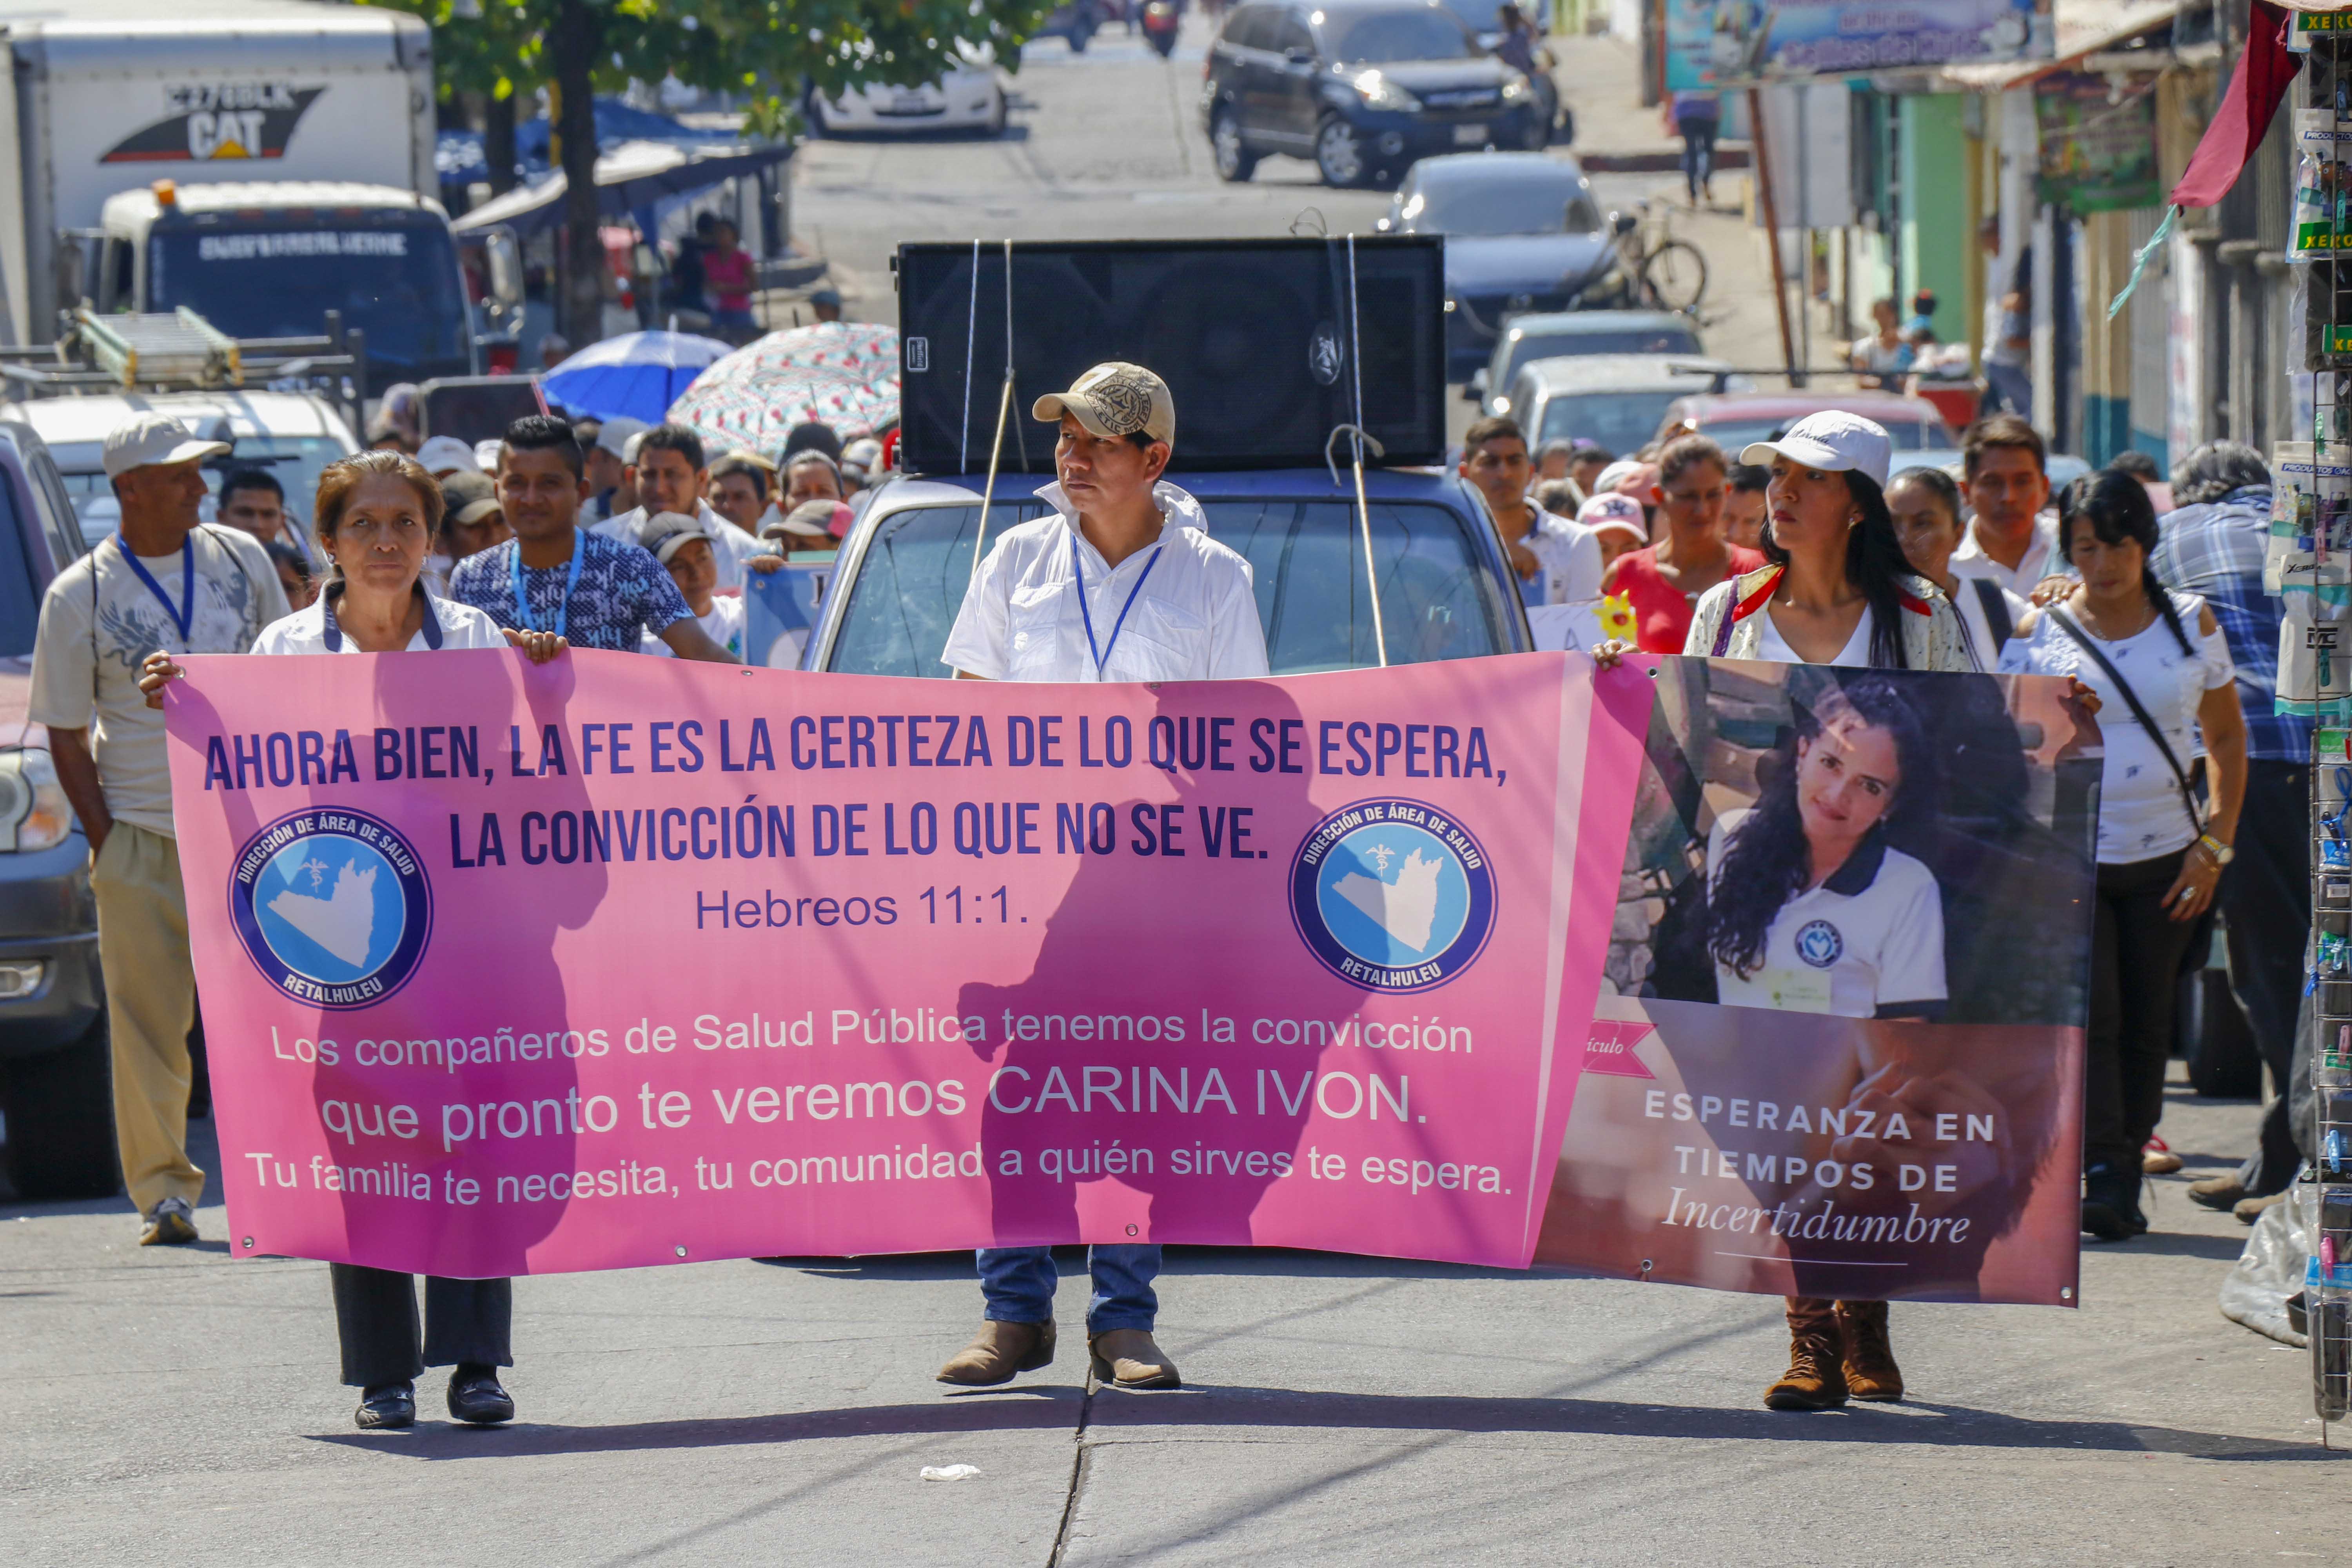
(842, 374)
(638, 374)
(627, 177)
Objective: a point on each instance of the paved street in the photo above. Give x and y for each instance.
(172, 1406)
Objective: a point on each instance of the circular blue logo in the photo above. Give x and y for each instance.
(1393, 895)
(1818, 944)
(332, 906)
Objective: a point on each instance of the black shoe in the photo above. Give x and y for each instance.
(386, 1406)
(2111, 1203)
(476, 1398)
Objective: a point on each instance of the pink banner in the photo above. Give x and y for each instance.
(623, 961)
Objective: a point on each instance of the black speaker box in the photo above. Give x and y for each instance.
(1254, 337)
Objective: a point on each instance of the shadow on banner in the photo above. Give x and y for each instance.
(1838, 1046)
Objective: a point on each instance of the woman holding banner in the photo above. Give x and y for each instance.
(1837, 592)
(376, 515)
(2162, 687)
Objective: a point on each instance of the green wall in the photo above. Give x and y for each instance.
(1936, 245)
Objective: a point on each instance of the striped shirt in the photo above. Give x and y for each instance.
(2214, 550)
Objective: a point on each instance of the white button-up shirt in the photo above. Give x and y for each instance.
(1570, 557)
(2040, 560)
(1190, 609)
(460, 627)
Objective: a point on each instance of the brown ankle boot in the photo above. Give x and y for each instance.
(1816, 1376)
(999, 1350)
(1870, 1369)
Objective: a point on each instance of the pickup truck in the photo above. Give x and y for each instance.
(55, 1069)
(1446, 590)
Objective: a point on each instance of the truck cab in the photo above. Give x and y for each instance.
(268, 260)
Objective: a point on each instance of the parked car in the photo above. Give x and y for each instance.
(968, 98)
(56, 1067)
(293, 435)
(1562, 334)
(1615, 401)
(1522, 235)
(1362, 87)
(1733, 420)
(1445, 588)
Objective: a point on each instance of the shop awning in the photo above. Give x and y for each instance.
(629, 176)
(2084, 27)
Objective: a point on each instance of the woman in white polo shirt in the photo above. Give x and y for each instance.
(1809, 910)
(375, 517)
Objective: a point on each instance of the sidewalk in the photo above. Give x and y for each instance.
(1601, 79)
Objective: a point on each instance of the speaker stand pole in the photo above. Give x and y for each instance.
(1004, 412)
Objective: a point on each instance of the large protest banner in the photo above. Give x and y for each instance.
(1839, 1046)
(625, 960)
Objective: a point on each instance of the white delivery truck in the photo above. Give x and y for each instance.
(258, 162)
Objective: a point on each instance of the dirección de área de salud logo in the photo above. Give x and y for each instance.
(1393, 895)
(332, 906)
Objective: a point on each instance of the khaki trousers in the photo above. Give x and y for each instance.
(150, 1003)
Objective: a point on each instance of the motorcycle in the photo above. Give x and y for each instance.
(1160, 20)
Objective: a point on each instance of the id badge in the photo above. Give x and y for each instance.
(1798, 990)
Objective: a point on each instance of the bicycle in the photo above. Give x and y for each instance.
(1664, 272)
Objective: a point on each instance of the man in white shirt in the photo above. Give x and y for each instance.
(164, 581)
(2003, 463)
(669, 474)
(1120, 581)
(1558, 560)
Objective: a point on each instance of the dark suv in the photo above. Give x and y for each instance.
(56, 1074)
(1362, 88)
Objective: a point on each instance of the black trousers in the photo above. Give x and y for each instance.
(2266, 909)
(465, 1320)
(2135, 949)
(1698, 152)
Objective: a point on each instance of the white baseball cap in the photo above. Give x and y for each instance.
(1611, 509)
(145, 440)
(1832, 441)
(446, 454)
(614, 435)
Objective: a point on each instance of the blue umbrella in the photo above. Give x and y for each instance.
(636, 374)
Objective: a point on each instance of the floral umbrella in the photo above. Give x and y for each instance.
(842, 374)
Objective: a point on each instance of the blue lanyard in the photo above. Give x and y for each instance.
(522, 604)
(1078, 573)
(184, 617)
(334, 628)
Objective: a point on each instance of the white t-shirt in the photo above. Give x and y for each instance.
(2040, 558)
(1867, 943)
(1570, 557)
(724, 625)
(1191, 611)
(730, 548)
(2141, 814)
(1770, 645)
(99, 624)
(459, 625)
(1968, 598)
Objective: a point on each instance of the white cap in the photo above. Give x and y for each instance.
(145, 440)
(863, 455)
(446, 454)
(485, 454)
(1612, 508)
(1606, 479)
(1832, 441)
(614, 435)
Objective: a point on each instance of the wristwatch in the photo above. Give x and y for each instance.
(2221, 853)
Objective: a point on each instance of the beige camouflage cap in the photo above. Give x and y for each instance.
(1115, 398)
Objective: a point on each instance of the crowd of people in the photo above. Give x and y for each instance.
(1810, 548)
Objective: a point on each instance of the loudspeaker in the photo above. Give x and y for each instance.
(1256, 337)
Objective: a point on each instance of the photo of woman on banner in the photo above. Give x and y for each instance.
(1810, 909)
(376, 513)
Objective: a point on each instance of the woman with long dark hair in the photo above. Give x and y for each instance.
(1810, 907)
(1838, 591)
(2161, 686)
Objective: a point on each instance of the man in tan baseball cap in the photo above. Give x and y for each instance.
(1120, 581)
(165, 581)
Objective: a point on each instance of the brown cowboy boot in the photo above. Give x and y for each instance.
(1131, 1358)
(999, 1350)
(1870, 1369)
(1816, 1376)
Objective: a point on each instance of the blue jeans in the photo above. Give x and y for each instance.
(2007, 384)
(1018, 1283)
